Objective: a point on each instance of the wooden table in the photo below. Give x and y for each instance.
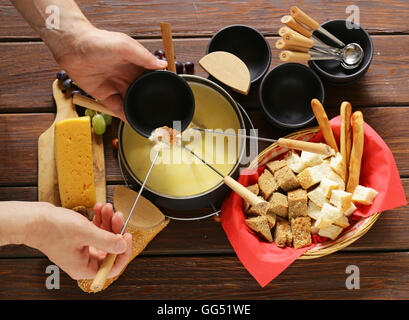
(194, 259)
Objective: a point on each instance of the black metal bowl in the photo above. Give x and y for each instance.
(246, 43)
(156, 99)
(210, 198)
(332, 71)
(286, 93)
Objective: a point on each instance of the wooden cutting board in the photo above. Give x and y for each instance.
(47, 169)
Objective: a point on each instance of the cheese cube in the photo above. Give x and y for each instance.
(342, 222)
(328, 216)
(341, 199)
(310, 159)
(364, 195)
(73, 150)
(350, 211)
(330, 231)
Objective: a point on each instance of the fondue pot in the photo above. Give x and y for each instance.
(213, 195)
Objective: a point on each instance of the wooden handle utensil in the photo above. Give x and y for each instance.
(280, 44)
(168, 45)
(320, 148)
(324, 124)
(296, 39)
(293, 56)
(302, 17)
(102, 274)
(91, 104)
(290, 22)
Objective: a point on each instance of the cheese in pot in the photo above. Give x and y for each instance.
(177, 172)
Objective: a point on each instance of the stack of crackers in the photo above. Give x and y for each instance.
(310, 193)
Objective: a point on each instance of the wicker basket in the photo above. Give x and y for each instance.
(347, 237)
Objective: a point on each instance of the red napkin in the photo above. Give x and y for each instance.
(264, 260)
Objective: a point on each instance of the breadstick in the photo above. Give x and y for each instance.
(357, 151)
(345, 136)
(324, 124)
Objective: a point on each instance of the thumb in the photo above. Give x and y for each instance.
(104, 240)
(139, 55)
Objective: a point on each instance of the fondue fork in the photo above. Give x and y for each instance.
(109, 260)
(320, 148)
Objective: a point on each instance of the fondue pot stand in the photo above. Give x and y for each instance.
(211, 198)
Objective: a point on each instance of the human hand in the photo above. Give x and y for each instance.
(77, 245)
(105, 63)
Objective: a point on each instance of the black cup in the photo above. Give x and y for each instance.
(157, 99)
(246, 43)
(286, 93)
(331, 70)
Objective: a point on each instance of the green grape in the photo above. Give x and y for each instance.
(99, 125)
(108, 119)
(90, 113)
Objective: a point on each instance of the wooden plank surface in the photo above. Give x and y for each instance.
(26, 86)
(203, 18)
(213, 277)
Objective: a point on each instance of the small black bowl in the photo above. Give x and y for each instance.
(286, 93)
(332, 71)
(156, 99)
(246, 43)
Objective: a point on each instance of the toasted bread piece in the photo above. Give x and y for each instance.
(330, 231)
(294, 162)
(329, 214)
(301, 230)
(255, 189)
(267, 184)
(260, 209)
(350, 210)
(282, 235)
(342, 222)
(297, 203)
(286, 179)
(327, 186)
(279, 204)
(260, 226)
(313, 210)
(275, 165)
(310, 159)
(364, 195)
(318, 196)
(338, 165)
(341, 199)
(271, 217)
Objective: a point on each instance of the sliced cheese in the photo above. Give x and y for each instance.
(73, 148)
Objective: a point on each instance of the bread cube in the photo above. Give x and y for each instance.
(273, 166)
(313, 175)
(310, 159)
(286, 179)
(342, 222)
(314, 229)
(294, 162)
(301, 230)
(338, 165)
(259, 209)
(364, 195)
(260, 226)
(278, 204)
(341, 199)
(313, 210)
(350, 211)
(330, 231)
(327, 186)
(318, 196)
(336, 178)
(329, 214)
(282, 234)
(297, 203)
(271, 218)
(253, 188)
(267, 184)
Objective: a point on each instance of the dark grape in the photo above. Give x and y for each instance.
(159, 53)
(62, 75)
(189, 67)
(179, 67)
(67, 84)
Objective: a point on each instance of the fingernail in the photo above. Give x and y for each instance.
(120, 246)
(162, 63)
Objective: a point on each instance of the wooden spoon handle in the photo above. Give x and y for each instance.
(242, 191)
(168, 45)
(290, 22)
(280, 44)
(294, 38)
(89, 103)
(103, 272)
(292, 56)
(320, 148)
(302, 17)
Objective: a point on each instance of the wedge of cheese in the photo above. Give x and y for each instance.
(73, 150)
